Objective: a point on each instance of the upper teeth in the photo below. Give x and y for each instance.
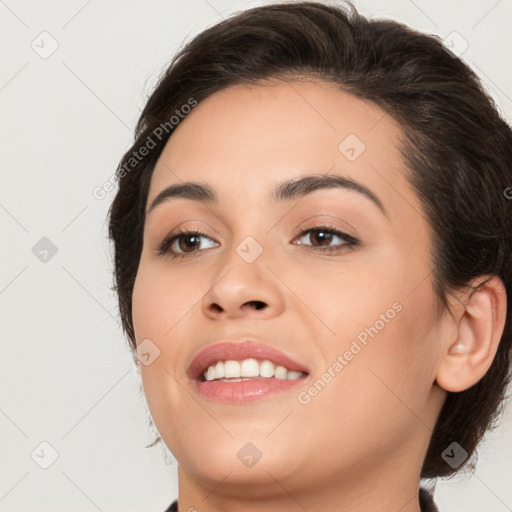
(249, 368)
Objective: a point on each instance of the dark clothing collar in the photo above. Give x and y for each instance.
(426, 503)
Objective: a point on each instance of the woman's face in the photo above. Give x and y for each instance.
(272, 265)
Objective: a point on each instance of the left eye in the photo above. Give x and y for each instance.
(322, 237)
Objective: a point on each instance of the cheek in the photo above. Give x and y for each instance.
(381, 345)
(349, 300)
(398, 352)
(161, 300)
(161, 304)
(379, 390)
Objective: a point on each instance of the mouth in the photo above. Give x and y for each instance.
(248, 369)
(243, 371)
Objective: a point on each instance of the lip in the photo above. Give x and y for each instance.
(238, 351)
(246, 390)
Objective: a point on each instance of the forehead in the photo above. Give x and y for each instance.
(245, 139)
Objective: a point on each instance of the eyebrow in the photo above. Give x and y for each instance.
(290, 189)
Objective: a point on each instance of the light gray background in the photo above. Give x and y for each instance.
(66, 374)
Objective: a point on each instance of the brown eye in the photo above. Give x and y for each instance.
(186, 242)
(183, 243)
(322, 237)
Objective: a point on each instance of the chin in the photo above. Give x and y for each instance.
(238, 463)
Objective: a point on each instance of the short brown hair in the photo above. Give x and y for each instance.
(457, 147)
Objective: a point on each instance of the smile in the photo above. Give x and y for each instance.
(226, 371)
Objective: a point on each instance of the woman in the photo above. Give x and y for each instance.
(313, 244)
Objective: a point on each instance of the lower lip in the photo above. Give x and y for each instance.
(245, 390)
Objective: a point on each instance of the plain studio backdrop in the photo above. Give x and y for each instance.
(74, 77)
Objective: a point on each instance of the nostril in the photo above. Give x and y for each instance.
(257, 304)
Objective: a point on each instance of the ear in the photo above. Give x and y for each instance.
(480, 320)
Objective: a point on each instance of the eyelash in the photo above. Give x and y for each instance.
(349, 240)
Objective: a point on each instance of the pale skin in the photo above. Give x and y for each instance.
(359, 444)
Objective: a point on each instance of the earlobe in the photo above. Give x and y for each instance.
(466, 359)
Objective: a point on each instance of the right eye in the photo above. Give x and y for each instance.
(183, 243)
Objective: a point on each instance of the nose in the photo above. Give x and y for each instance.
(242, 289)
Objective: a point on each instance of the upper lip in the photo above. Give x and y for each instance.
(237, 350)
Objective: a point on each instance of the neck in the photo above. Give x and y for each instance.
(364, 491)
